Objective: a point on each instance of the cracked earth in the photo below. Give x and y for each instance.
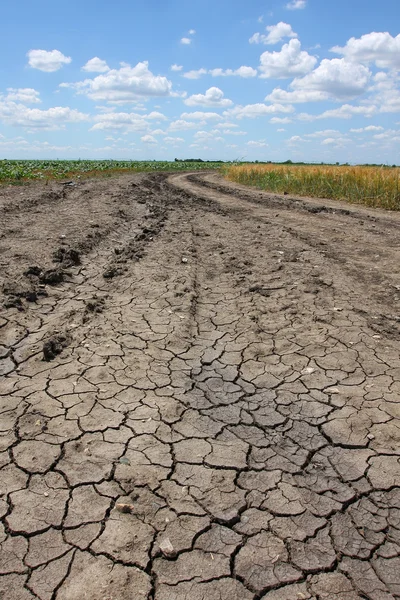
(200, 399)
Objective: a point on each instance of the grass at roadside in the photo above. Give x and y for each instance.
(14, 171)
(372, 186)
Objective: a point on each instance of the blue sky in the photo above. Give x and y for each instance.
(225, 79)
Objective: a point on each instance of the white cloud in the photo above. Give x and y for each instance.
(386, 89)
(256, 144)
(337, 78)
(280, 120)
(375, 47)
(296, 4)
(25, 95)
(369, 128)
(276, 33)
(186, 41)
(243, 71)
(324, 133)
(253, 111)
(335, 141)
(200, 115)
(192, 32)
(148, 139)
(173, 140)
(127, 84)
(213, 97)
(291, 61)
(389, 134)
(19, 115)
(47, 61)
(347, 111)
(228, 125)
(114, 121)
(182, 125)
(195, 73)
(229, 132)
(176, 67)
(296, 139)
(96, 65)
(298, 96)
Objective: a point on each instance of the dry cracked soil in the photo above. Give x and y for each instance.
(200, 393)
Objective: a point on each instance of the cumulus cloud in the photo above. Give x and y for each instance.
(114, 121)
(276, 33)
(376, 47)
(335, 141)
(386, 92)
(173, 140)
(176, 67)
(296, 139)
(182, 125)
(291, 61)
(346, 111)
(195, 73)
(368, 128)
(24, 95)
(299, 96)
(338, 78)
(148, 139)
(127, 84)
(47, 61)
(199, 115)
(256, 144)
(252, 111)
(275, 120)
(213, 97)
(96, 65)
(243, 71)
(296, 4)
(19, 115)
(186, 41)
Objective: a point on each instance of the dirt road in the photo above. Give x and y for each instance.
(201, 398)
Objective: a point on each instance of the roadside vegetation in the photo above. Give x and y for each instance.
(375, 186)
(14, 171)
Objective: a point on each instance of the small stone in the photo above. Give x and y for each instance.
(184, 260)
(370, 436)
(308, 371)
(166, 547)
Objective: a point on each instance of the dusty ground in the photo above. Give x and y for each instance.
(202, 400)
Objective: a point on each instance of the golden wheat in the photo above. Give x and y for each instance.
(372, 186)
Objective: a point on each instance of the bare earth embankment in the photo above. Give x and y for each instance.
(200, 397)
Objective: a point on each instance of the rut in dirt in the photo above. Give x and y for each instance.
(222, 418)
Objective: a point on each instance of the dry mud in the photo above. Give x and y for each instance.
(200, 399)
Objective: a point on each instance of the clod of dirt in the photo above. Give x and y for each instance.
(95, 305)
(52, 276)
(34, 270)
(125, 508)
(111, 272)
(54, 346)
(15, 291)
(67, 256)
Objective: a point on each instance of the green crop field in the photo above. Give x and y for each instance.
(13, 171)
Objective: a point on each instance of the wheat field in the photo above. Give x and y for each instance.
(372, 186)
